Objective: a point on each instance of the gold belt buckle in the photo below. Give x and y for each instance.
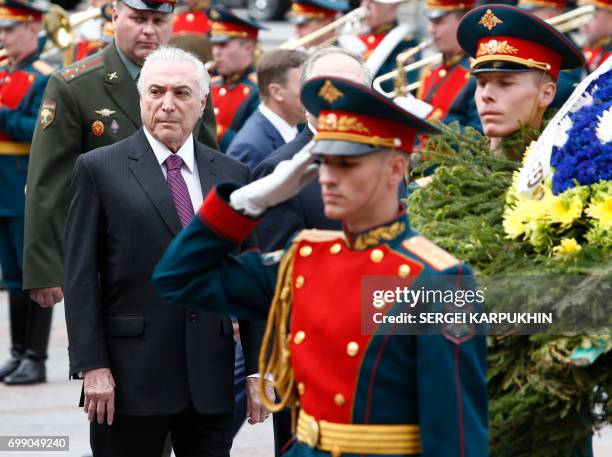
(312, 432)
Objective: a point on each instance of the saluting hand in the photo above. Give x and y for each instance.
(99, 387)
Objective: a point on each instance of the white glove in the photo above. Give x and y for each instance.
(287, 179)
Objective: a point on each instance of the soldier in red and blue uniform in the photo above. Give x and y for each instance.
(598, 33)
(22, 83)
(447, 86)
(368, 393)
(233, 90)
(94, 34)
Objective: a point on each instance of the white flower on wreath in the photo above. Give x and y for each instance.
(561, 135)
(604, 127)
(586, 99)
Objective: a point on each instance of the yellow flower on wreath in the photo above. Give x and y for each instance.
(602, 212)
(567, 246)
(564, 210)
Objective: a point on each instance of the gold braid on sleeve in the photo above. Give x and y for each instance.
(274, 354)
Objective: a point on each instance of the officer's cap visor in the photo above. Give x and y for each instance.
(141, 5)
(500, 66)
(436, 14)
(342, 148)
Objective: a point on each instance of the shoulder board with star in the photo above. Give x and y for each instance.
(82, 67)
(430, 253)
(252, 77)
(318, 236)
(216, 80)
(42, 67)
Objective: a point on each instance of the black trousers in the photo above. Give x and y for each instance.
(192, 435)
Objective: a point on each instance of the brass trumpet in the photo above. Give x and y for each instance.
(349, 23)
(564, 23)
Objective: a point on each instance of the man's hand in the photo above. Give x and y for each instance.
(287, 179)
(47, 296)
(99, 387)
(256, 412)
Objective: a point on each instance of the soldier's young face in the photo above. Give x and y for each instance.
(19, 40)
(232, 56)
(171, 103)
(139, 33)
(359, 190)
(443, 32)
(507, 101)
(380, 13)
(305, 28)
(599, 27)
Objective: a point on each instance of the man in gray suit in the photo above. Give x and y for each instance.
(148, 368)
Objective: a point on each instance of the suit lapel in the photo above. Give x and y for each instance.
(149, 175)
(270, 131)
(120, 86)
(207, 169)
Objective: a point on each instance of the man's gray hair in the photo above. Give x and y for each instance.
(171, 54)
(325, 51)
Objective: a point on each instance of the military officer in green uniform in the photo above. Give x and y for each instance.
(368, 393)
(89, 104)
(22, 82)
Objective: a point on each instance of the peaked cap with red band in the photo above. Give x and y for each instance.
(226, 25)
(438, 8)
(356, 120)
(306, 10)
(505, 38)
(17, 11)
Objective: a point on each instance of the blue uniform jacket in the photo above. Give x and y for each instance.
(436, 382)
(21, 90)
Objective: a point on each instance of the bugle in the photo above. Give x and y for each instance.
(350, 20)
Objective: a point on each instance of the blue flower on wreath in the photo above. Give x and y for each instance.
(586, 156)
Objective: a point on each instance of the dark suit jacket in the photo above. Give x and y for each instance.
(255, 141)
(121, 218)
(303, 211)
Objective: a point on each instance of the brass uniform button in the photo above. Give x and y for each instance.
(301, 388)
(377, 255)
(352, 348)
(222, 91)
(216, 110)
(442, 73)
(246, 90)
(305, 251)
(299, 337)
(339, 400)
(190, 17)
(371, 39)
(335, 249)
(299, 282)
(404, 270)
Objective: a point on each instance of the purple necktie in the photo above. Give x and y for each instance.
(178, 189)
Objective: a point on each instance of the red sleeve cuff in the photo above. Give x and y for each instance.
(225, 220)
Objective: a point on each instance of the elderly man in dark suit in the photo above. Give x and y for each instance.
(275, 121)
(148, 368)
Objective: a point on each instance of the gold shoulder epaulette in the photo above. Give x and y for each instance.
(216, 79)
(42, 67)
(81, 68)
(318, 236)
(252, 77)
(430, 253)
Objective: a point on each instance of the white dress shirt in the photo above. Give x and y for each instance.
(189, 170)
(286, 131)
